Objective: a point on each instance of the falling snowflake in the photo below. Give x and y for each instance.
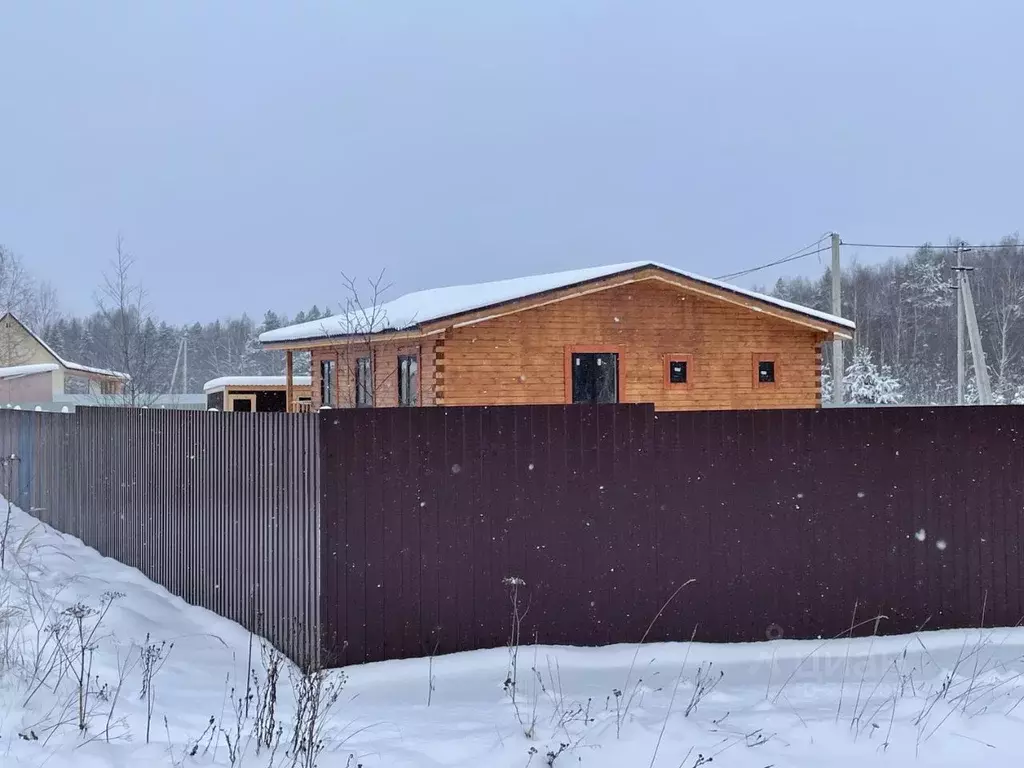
(920, 535)
(940, 544)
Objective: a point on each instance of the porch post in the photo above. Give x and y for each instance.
(289, 393)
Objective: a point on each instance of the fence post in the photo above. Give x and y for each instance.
(26, 452)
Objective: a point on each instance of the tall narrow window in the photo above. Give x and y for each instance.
(327, 383)
(408, 379)
(364, 383)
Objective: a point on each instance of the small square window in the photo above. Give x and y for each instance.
(766, 372)
(677, 372)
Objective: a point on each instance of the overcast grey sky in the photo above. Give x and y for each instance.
(251, 151)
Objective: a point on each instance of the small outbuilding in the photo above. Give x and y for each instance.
(257, 393)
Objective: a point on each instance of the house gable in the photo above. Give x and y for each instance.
(19, 346)
(18, 343)
(523, 357)
(684, 284)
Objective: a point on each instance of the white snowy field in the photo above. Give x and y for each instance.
(931, 699)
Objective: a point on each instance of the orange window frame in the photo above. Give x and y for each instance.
(765, 357)
(620, 373)
(667, 361)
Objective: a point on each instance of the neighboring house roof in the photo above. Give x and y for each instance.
(96, 371)
(67, 363)
(17, 371)
(422, 307)
(256, 381)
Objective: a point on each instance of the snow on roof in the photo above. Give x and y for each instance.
(90, 369)
(420, 307)
(256, 381)
(67, 363)
(14, 371)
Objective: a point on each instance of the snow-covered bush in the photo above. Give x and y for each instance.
(865, 382)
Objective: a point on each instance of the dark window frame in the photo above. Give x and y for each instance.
(408, 381)
(620, 368)
(364, 389)
(328, 382)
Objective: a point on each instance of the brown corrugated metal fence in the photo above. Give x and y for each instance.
(380, 533)
(791, 522)
(222, 509)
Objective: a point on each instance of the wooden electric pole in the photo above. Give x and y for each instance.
(838, 368)
(959, 285)
(981, 379)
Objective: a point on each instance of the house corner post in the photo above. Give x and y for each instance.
(289, 382)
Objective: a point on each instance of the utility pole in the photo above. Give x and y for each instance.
(838, 368)
(182, 359)
(959, 285)
(977, 353)
(174, 373)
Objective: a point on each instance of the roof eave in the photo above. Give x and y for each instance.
(413, 332)
(714, 289)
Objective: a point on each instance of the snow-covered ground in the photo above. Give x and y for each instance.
(932, 699)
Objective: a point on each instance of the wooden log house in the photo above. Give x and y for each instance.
(638, 332)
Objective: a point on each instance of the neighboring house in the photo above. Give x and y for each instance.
(638, 332)
(31, 371)
(256, 393)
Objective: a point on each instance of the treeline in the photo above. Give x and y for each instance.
(192, 354)
(124, 334)
(905, 310)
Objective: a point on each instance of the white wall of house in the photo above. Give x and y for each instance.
(30, 388)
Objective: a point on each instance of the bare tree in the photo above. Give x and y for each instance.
(363, 316)
(1005, 299)
(231, 351)
(122, 303)
(32, 302)
(45, 309)
(17, 286)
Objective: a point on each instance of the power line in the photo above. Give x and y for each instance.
(784, 260)
(933, 247)
(804, 252)
(771, 264)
